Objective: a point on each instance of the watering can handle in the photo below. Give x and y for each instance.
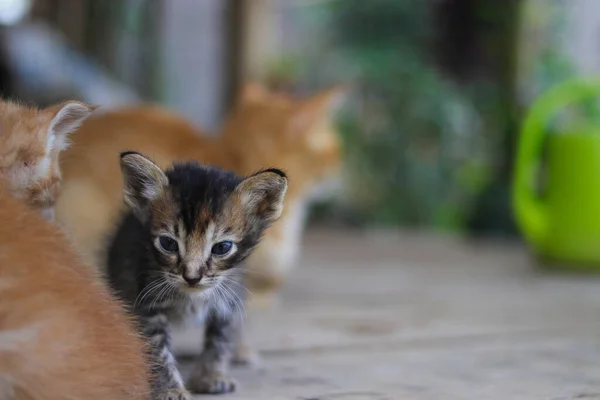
(529, 210)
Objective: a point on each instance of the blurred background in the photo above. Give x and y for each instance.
(439, 87)
(389, 297)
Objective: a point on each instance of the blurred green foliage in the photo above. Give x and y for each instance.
(418, 149)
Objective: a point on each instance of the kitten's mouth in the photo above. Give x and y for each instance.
(195, 288)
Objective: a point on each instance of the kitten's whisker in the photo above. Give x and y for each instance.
(217, 301)
(152, 292)
(174, 292)
(210, 296)
(169, 293)
(164, 289)
(226, 280)
(224, 301)
(239, 301)
(230, 280)
(158, 295)
(155, 299)
(145, 292)
(158, 289)
(235, 299)
(164, 295)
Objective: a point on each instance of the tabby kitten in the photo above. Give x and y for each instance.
(62, 335)
(175, 257)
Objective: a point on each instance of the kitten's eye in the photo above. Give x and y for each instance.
(222, 248)
(168, 244)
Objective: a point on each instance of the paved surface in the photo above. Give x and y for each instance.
(390, 316)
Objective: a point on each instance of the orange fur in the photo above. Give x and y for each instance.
(264, 130)
(30, 142)
(62, 335)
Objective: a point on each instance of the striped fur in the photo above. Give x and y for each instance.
(167, 261)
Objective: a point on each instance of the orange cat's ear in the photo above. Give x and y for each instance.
(252, 92)
(66, 118)
(317, 109)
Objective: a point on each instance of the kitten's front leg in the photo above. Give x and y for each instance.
(210, 374)
(167, 383)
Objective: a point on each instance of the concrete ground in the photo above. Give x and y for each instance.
(389, 316)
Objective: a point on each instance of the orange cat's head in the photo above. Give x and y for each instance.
(30, 143)
(267, 129)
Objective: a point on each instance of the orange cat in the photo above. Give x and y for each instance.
(263, 130)
(30, 143)
(62, 336)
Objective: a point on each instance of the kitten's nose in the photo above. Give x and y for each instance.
(192, 281)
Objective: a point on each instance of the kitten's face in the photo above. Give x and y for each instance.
(202, 221)
(30, 143)
(267, 128)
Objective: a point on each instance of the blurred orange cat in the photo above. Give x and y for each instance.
(62, 336)
(263, 130)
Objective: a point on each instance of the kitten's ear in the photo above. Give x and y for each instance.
(66, 118)
(316, 109)
(143, 181)
(261, 195)
(252, 92)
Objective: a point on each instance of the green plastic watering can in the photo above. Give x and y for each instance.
(563, 225)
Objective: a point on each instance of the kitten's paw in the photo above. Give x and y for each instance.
(175, 394)
(212, 384)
